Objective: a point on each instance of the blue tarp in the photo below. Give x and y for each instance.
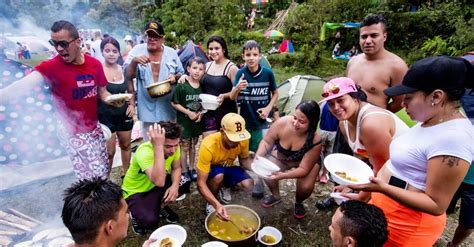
(189, 51)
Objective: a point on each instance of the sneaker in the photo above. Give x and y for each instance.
(258, 189)
(169, 215)
(209, 208)
(194, 175)
(224, 195)
(299, 212)
(326, 203)
(186, 175)
(137, 229)
(270, 201)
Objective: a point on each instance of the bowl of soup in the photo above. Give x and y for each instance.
(347, 170)
(247, 222)
(269, 236)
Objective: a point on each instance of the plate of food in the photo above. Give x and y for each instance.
(119, 98)
(348, 170)
(169, 236)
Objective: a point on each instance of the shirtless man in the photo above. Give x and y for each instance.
(377, 68)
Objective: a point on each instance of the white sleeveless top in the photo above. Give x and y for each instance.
(356, 146)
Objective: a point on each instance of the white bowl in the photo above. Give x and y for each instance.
(352, 166)
(118, 97)
(209, 101)
(269, 230)
(214, 244)
(106, 131)
(264, 167)
(176, 232)
(339, 198)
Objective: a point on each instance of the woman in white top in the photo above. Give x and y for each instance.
(368, 129)
(428, 163)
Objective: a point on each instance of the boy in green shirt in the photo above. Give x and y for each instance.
(186, 102)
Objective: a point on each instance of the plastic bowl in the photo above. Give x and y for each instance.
(175, 232)
(352, 166)
(118, 98)
(214, 244)
(264, 167)
(272, 231)
(209, 101)
(339, 198)
(106, 131)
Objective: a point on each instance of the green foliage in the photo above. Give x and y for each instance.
(437, 46)
(196, 19)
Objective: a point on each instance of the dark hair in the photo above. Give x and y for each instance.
(374, 19)
(360, 94)
(62, 24)
(87, 205)
(364, 222)
(197, 60)
(172, 129)
(109, 40)
(251, 44)
(221, 41)
(312, 111)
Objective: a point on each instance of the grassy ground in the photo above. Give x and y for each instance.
(311, 231)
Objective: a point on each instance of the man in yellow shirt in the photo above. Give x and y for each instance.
(216, 167)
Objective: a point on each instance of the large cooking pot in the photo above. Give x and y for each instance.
(159, 89)
(242, 211)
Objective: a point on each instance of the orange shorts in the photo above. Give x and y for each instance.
(406, 226)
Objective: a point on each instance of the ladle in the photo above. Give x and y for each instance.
(236, 226)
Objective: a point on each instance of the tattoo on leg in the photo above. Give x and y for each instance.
(450, 160)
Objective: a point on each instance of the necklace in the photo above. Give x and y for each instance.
(442, 119)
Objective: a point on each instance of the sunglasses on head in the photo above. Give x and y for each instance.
(63, 43)
(332, 89)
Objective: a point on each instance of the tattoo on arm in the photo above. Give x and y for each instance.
(450, 160)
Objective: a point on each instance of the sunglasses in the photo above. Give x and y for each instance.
(153, 38)
(332, 89)
(63, 43)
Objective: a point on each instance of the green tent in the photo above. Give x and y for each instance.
(296, 89)
(334, 26)
(264, 62)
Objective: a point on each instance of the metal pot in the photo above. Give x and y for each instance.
(250, 240)
(159, 89)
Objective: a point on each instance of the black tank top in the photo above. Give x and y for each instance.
(219, 84)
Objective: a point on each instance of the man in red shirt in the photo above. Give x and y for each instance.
(76, 80)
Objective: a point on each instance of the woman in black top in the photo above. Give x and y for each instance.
(218, 81)
(118, 119)
(293, 144)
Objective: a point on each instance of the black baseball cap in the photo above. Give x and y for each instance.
(431, 73)
(154, 26)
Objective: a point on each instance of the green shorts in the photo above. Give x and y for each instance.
(255, 137)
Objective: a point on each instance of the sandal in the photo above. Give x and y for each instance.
(269, 201)
(323, 179)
